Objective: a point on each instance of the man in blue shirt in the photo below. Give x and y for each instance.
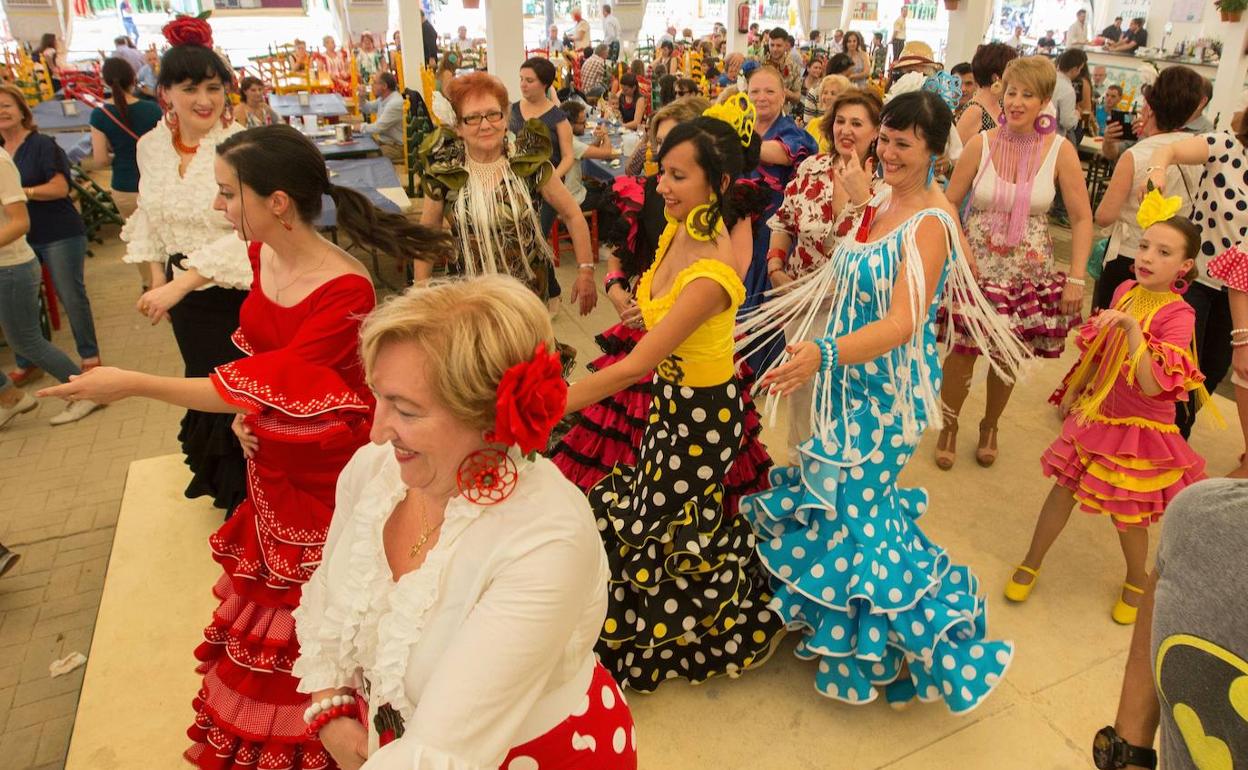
(149, 74)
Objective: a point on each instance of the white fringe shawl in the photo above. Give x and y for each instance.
(482, 218)
(909, 379)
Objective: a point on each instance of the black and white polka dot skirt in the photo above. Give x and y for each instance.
(688, 599)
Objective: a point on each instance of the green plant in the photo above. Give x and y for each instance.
(1231, 5)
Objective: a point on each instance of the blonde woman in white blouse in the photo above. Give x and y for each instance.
(199, 268)
(467, 624)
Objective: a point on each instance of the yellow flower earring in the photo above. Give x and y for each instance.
(701, 222)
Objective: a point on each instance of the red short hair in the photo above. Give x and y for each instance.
(475, 83)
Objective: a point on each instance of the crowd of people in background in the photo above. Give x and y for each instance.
(852, 227)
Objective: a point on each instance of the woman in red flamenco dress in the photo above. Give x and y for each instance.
(302, 409)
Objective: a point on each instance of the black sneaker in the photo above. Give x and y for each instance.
(7, 559)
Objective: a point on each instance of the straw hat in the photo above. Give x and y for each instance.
(915, 54)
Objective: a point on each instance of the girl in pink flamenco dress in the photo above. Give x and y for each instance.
(1119, 453)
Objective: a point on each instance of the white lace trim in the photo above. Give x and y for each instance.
(175, 214)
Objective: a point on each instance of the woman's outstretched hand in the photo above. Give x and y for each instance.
(794, 373)
(103, 385)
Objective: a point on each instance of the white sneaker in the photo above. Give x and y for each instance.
(24, 405)
(75, 411)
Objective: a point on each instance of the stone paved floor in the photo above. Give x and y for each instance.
(62, 488)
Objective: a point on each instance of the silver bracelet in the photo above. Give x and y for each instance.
(1076, 281)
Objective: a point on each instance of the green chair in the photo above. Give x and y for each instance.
(94, 203)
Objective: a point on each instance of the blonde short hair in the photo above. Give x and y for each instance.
(840, 82)
(682, 110)
(470, 332)
(1036, 73)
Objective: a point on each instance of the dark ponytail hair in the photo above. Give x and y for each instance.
(719, 151)
(118, 75)
(278, 157)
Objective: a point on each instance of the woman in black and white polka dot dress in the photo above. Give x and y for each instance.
(1220, 209)
(687, 598)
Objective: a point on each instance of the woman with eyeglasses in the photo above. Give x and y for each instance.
(489, 189)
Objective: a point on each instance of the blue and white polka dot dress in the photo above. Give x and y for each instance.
(848, 561)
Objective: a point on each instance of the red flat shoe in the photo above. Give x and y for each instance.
(22, 377)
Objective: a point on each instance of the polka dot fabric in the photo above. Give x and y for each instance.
(1231, 267)
(687, 599)
(610, 432)
(875, 598)
(1221, 208)
(599, 735)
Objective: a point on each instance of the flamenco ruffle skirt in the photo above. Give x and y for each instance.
(609, 433)
(875, 598)
(1129, 472)
(248, 712)
(687, 599)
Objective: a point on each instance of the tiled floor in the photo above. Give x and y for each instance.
(63, 489)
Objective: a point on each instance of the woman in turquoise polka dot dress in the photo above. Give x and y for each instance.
(881, 605)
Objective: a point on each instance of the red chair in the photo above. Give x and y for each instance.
(78, 84)
(555, 232)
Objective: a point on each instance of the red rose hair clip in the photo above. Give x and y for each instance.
(532, 396)
(189, 30)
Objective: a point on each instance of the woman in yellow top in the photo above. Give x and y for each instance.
(686, 599)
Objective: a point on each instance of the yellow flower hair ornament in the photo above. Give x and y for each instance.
(737, 111)
(1156, 208)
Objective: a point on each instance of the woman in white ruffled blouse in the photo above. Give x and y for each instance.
(199, 268)
(463, 628)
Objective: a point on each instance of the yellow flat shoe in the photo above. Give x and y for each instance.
(1018, 592)
(1124, 614)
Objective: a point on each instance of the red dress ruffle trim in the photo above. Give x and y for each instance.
(1231, 267)
(248, 712)
(610, 432)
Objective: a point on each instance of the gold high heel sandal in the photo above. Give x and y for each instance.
(1018, 592)
(1124, 614)
(986, 452)
(947, 447)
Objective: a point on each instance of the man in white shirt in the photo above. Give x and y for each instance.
(837, 43)
(1069, 64)
(899, 33)
(388, 130)
(668, 37)
(1077, 35)
(611, 32)
(580, 33)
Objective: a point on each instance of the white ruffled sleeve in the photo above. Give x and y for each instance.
(143, 241)
(481, 692)
(223, 261)
(325, 659)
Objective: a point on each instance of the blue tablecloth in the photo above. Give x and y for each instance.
(51, 117)
(361, 146)
(602, 170)
(77, 145)
(322, 105)
(365, 176)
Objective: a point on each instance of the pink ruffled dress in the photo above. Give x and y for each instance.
(1120, 451)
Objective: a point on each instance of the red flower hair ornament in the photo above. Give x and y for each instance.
(189, 30)
(531, 399)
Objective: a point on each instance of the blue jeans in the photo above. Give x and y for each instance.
(64, 260)
(19, 320)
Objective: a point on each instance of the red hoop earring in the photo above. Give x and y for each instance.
(1179, 286)
(486, 477)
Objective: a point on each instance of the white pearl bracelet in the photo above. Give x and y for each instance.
(324, 704)
(1076, 281)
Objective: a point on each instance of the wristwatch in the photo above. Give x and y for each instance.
(1111, 752)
